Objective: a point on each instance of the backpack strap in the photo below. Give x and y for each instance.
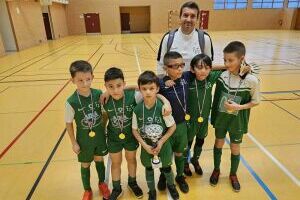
(201, 39)
(169, 43)
(211, 47)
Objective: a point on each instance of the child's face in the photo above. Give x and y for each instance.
(149, 91)
(201, 71)
(174, 68)
(233, 62)
(115, 88)
(83, 81)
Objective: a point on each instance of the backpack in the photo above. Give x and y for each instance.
(171, 39)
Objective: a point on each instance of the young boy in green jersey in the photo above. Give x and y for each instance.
(234, 96)
(90, 141)
(200, 84)
(153, 131)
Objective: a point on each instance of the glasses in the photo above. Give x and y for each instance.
(176, 66)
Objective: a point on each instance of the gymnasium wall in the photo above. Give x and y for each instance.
(2, 50)
(27, 22)
(59, 20)
(218, 20)
(139, 18)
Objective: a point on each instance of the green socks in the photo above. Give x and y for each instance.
(85, 177)
(179, 162)
(235, 160)
(116, 184)
(150, 179)
(100, 170)
(217, 157)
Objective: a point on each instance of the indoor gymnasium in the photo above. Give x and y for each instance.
(40, 39)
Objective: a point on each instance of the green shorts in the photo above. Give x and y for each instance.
(165, 156)
(197, 129)
(90, 147)
(117, 146)
(179, 140)
(235, 138)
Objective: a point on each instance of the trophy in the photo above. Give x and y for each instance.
(154, 133)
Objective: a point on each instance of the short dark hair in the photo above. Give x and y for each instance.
(113, 73)
(171, 55)
(235, 47)
(203, 59)
(80, 66)
(148, 77)
(191, 5)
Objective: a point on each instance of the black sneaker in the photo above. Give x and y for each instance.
(173, 191)
(187, 170)
(197, 167)
(235, 183)
(152, 195)
(135, 189)
(183, 186)
(214, 178)
(116, 194)
(161, 185)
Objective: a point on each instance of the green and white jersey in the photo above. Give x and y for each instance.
(203, 90)
(74, 111)
(115, 115)
(248, 91)
(152, 125)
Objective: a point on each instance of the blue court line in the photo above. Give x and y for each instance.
(256, 177)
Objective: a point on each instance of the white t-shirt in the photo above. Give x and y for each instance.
(186, 45)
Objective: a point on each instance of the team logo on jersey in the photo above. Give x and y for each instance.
(91, 120)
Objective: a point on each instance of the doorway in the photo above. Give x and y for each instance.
(92, 22)
(47, 26)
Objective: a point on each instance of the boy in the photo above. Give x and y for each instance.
(177, 96)
(119, 109)
(153, 130)
(200, 86)
(235, 95)
(90, 142)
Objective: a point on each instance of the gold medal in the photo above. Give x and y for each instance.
(200, 119)
(122, 136)
(187, 117)
(230, 111)
(92, 134)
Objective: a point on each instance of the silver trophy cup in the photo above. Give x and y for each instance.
(154, 133)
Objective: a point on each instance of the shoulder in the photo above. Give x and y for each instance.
(252, 80)
(72, 98)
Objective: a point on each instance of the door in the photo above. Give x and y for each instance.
(204, 15)
(47, 26)
(92, 22)
(297, 25)
(125, 22)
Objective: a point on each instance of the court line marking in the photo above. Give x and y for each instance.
(255, 176)
(26, 66)
(137, 60)
(279, 164)
(30, 59)
(37, 181)
(38, 114)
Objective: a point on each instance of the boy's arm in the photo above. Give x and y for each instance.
(167, 109)
(138, 137)
(69, 117)
(75, 145)
(218, 67)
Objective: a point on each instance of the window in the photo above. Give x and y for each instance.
(230, 4)
(267, 3)
(294, 4)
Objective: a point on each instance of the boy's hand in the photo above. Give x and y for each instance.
(76, 148)
(104, 98)
(232, 106)
(157, 149)
(166, 110)
(169, 83)
(245, 68)
(149, 149)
